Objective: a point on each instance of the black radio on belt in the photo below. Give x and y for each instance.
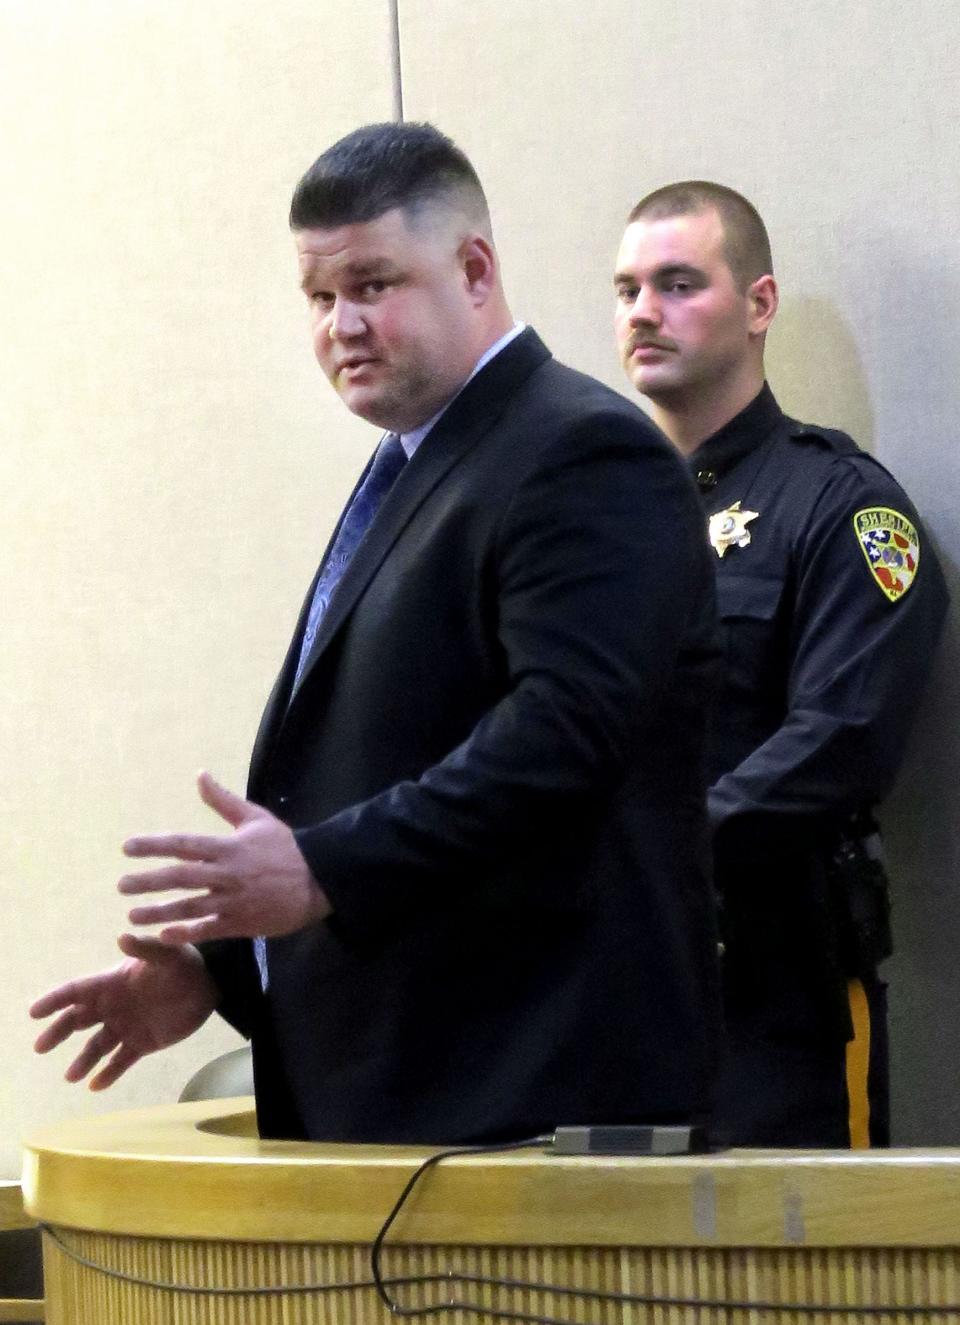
(861, 894)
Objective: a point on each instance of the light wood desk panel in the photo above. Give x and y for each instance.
(177, 1211)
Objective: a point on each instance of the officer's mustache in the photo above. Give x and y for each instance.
(649, 343)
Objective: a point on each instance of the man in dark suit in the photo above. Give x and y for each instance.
(472, 861)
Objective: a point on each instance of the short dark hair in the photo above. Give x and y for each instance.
(382, 166)
(745, 239)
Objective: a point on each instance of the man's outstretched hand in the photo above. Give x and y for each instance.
(155, 997)
(252, 882)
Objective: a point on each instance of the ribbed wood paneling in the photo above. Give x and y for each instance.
(80, 1295)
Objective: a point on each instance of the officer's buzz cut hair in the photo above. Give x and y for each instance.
(745, 240)
(382, 166)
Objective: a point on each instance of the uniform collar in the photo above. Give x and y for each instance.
(716, 456)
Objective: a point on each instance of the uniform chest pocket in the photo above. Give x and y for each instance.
(749, 609)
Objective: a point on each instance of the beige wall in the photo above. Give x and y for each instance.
(174, 461)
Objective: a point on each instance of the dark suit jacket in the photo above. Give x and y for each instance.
(494, 766)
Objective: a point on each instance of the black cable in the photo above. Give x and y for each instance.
(228, 1290)
(926, 1311)
(376, 1248)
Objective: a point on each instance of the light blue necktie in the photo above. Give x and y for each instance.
(389, 459)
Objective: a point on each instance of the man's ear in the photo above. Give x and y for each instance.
(479, 263)
(764, 297)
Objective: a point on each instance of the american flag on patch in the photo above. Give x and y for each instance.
(891, 546)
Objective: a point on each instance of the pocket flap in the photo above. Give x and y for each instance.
(748, 596)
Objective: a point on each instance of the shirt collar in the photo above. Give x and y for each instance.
(411, 440)
(737, 438)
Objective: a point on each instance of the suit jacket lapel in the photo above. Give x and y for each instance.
(474, 411)
(279, 698)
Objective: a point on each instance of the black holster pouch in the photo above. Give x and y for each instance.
(860, 892)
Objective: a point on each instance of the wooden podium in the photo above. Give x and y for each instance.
(182, 1216)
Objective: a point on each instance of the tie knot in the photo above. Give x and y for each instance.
(391, 449)
(388, 461)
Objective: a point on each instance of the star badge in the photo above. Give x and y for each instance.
(729, 528)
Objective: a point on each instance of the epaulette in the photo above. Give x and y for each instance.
(837, 442)
(840, 443)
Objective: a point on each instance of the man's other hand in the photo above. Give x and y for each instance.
(155, 997)
(252, 882)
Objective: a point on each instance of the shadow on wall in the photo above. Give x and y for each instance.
(911, 318)
(815, 368)
(921, 823)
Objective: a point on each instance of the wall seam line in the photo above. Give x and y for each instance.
(396, 61)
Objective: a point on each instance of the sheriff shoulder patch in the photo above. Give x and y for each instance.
(891, 546)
